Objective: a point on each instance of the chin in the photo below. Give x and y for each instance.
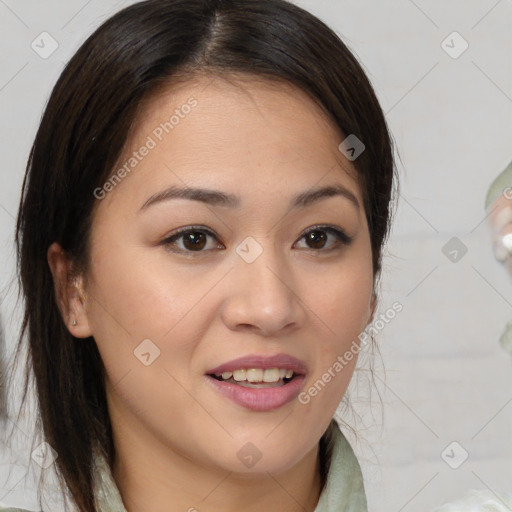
(255, 457)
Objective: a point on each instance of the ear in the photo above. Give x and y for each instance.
(69, 292)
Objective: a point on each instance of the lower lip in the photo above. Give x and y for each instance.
(260, 399)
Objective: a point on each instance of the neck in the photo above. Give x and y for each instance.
(148, 484)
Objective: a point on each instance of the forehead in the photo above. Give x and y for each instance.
(222, 94)
(234, 128)
(240, 104)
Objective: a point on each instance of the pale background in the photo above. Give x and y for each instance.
(447, 379)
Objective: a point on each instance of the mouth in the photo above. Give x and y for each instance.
(259, 383)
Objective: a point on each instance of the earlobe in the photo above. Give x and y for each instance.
(69, 293)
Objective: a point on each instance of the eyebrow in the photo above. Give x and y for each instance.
(218, 198)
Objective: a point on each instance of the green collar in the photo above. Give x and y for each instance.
(343, 490)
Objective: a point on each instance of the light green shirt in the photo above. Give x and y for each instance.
(343, 490)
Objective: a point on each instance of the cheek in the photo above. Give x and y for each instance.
(343, 303)
(144, 295)
(346, 323)
(132, 299)
(139, 308)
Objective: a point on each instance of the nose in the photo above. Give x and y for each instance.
(264, 295)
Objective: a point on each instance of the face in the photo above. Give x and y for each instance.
(263, 280)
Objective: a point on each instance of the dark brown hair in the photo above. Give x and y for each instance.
(83, 131)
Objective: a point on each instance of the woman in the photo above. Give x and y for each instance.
(200, 240)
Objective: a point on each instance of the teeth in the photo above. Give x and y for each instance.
(257, 375)
(271, 375)
(239, 375)
(254, 375)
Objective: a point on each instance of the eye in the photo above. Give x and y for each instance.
(317, 236)
(194, 239)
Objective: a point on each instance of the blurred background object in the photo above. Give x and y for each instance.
(498, 205)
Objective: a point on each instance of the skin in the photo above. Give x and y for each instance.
(177, 438)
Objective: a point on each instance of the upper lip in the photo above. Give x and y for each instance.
(284, 361)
